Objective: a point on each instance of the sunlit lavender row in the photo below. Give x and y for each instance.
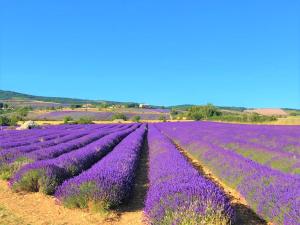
(265, 175)
(95, 166)
(178, 194)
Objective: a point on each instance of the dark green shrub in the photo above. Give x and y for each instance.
(75, 106)
(119, 116)
(67, 119)
(162, 118)
(203, 112)
(4, 121)
(84, 120)
(136, 119)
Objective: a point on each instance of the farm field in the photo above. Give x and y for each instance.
(94, 114)
(156, 173)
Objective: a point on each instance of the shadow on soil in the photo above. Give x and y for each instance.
(137, 198)
(138, 195)
(244, 214)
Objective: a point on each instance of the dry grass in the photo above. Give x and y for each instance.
(244, 214)
(290, 120)
(39, 209)
(268, 111)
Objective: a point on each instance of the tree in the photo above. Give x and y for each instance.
(67, 119)
(4, 121)
(203, 112)
(22, 112)
(84, 120)
(75, 106)
(162, 118)
(119, 116)
(136, 119)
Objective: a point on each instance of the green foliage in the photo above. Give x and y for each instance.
(4, 121)
(12, 94)
(131, 105)
(81, 199)
(9, 121)
(22, 112)
(84, 120)
(104, 105)
(8, 170)
(75, 106)
(294, 113)
(136, 119)
(246, 117)
(37, 180)
(67, 119)
(202, 112)
(162, 118)
(119, 116)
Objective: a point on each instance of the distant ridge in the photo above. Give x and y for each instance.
(10, 95)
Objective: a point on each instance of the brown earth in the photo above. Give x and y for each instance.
(244, 214)
(39, 209)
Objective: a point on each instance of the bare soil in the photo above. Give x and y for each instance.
(244, 214)
(39, 209)
(269, 111)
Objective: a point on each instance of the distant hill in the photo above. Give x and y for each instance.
(20, 99)
(12, 96)
(9, 95)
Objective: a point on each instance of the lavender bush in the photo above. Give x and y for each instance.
(273, 194)
(46, 175)
(67, 144)
(109, 182)
(177, 193)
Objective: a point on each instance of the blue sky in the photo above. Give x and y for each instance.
(234, 53)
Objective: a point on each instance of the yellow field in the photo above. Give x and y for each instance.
(290, 120)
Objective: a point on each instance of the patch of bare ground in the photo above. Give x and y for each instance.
(268, 111)
(244, 214)
(39, 209)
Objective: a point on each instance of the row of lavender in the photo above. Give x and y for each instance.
(109, 182)
(80, 176)
(12, 159)
(177, 193)
(273, 194)
(46, 175)
(105, 115)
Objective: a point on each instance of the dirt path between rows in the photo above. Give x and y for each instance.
(131, 213)
(244, 214)
(39, 209)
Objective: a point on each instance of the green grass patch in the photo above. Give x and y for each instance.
(8, 170)
(82, 198)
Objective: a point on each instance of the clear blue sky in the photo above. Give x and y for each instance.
(234, 53)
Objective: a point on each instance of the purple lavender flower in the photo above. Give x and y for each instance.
(177, 193)
(272, 193)
(66, 165)
(109, 182)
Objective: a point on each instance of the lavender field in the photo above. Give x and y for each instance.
(145, 114)
(97, 168)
